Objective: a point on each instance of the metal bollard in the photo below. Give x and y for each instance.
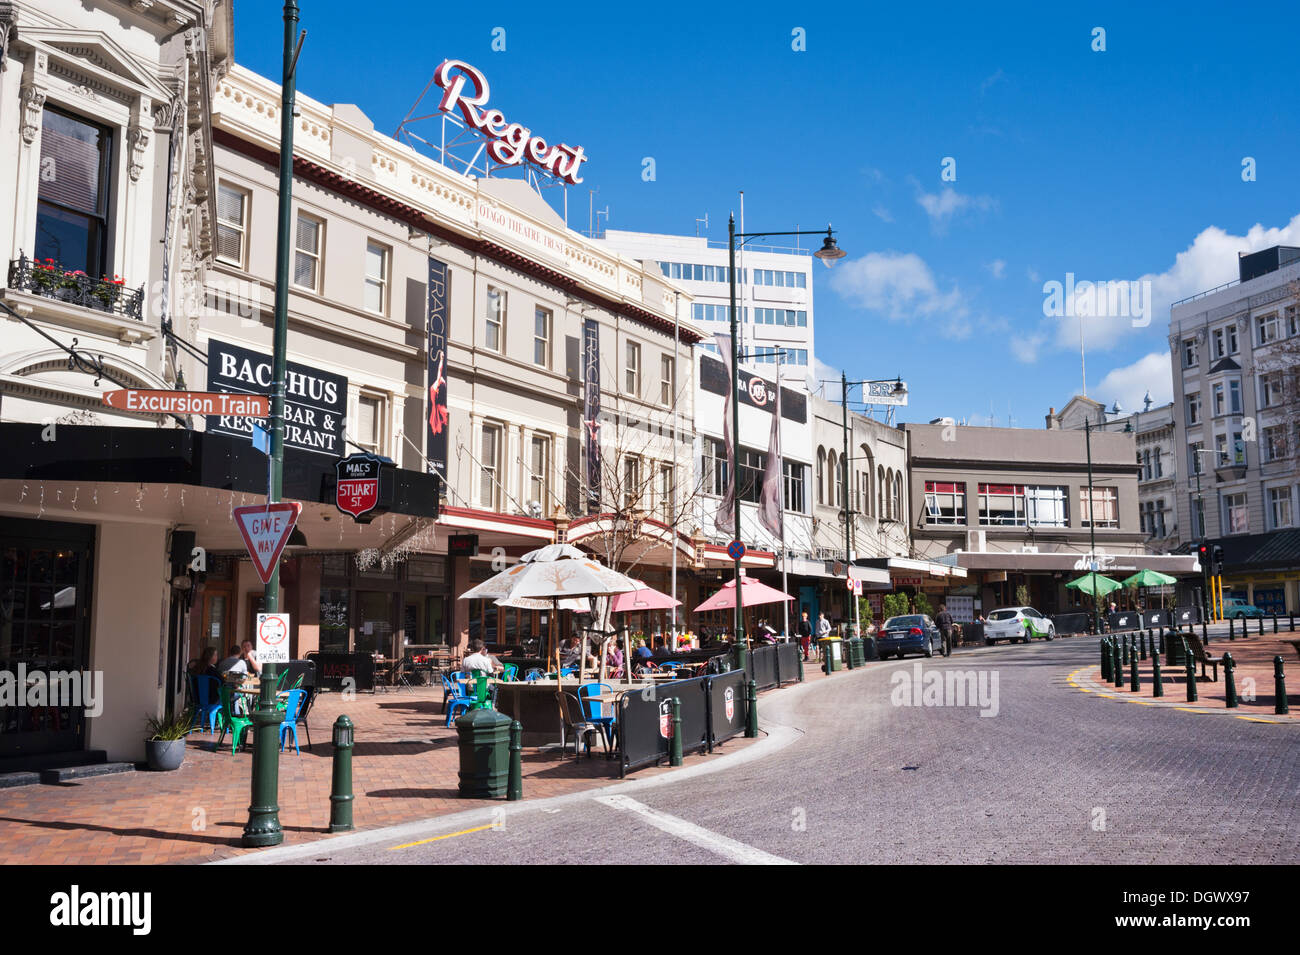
(1190, 664)
(1133, 674)
(1229, 681)
(1105, 659)
(799, 657)
(751, 710)
(1291, 618)
(1232, 635)
(1279, 688)
(341, 783)
(515, 783)
(1123, 650)
(675, 754)
(1275, 623)
(1142, 645)
(1157, 681)
(1205, 633)
(1261, 625)
(1116, 664)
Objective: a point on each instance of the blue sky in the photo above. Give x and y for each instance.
(1122, 164)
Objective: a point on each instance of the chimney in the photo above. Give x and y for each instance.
(1051, 414)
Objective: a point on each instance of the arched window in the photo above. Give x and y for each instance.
(880, 491)
(867, 467)
(821, 475)
(889, 493)
(898, 496)
(835, 479)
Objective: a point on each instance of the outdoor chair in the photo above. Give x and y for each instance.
(207, 702)
(575, 722)
(533, 675)
(451, 686)
(509, 671)
(292, 712)
(231, 722)
(457, 697)
(593, 711)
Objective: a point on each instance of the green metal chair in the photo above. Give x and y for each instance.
(231, 722)
(509, 671)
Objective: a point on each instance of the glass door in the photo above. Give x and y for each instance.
(375, 625)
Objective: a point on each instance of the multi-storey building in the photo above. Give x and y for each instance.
(1235, 352)
(774, 294)
(1159, 480)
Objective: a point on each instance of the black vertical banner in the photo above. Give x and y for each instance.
(435, 453)
(591, 409)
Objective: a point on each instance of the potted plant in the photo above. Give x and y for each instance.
(164, 747)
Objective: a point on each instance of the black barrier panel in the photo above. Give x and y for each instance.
(645, 722)
(1071, 622)
(762, 669)
(787, 663)
(972, 633)
(726, 695)
(1124, 620)
(1186, 616)
(1154, 619)
(334, 669)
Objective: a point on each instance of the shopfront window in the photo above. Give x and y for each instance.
(333, 620)
(374, 622)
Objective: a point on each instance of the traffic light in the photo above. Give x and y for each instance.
(1216, 557)
(1203, 556)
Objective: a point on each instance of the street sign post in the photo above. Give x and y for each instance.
(266, 529)
(148, 401)
(273, 638)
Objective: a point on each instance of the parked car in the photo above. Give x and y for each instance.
(1234, 608)
(1009, 623)
(912, 633)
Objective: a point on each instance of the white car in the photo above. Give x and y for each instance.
(1009, 623)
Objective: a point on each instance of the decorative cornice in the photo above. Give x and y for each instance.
(138, 138)
(33, 102)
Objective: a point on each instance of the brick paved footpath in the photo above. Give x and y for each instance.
(404, 769)
(1254, 660)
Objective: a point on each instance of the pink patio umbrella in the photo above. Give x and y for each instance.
(643, 598)
(752, 593)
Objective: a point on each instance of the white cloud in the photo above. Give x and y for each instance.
(1027, 347)
(881, 213)
(944, 206)
(901, 286)
(998, 268)
(822, 372)
(1129, 384)
(991, 80)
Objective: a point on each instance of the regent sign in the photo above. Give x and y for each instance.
(466, 90)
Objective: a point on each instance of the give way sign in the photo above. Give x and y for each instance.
(266, 529)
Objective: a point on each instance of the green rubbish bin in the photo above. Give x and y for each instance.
(484, 740)
(856, 658)
(833, 652)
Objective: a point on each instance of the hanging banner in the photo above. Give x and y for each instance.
(725, 519)
(771, 513)
(315, 401)
(591, 409)
(755, 391)
(435, 442)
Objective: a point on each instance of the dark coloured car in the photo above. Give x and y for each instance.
(912, 633)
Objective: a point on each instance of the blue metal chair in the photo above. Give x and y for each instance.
(292, 707)
(593, 711)
(459, 698)
(451, 686)
(206, 692)
(534, 675)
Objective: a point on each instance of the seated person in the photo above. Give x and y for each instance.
(614, 656)
(572, 652)
(233, 664)
(479, 659)
(205, 664)
(642, 653)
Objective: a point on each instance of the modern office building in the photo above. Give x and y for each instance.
(1236, 351)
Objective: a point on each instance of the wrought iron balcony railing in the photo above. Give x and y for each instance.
(46, 277)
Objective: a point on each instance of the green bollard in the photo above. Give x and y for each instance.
(1116, 666)
(1142, 645)
(480, 690)
(1157, 681)
(1133, 674)
(799, 656)
(1123, 650)
(1105, 659)
(1275, 623)
(1205, 633)
(675, 753)
(1261, 625)
(515, 784)
(1190, 666)
(341, 784)
(1279, 688)
(1229, 681)
(826, 659)
(751, 710)
(1232, 629)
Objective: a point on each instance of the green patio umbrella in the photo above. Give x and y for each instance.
(1148, 578)
(1095, 584)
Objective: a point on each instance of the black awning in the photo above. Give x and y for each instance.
(1273, 550)
(91, 453)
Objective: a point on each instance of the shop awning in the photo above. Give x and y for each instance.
(1029, 562)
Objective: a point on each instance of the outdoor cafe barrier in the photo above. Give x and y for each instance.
(1071, 623)
(333, 670)
(1186, 616)
(713, 709)
(774, 665)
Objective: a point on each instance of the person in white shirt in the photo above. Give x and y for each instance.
(823, 626)
(480, 659)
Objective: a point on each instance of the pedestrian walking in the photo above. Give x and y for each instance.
(805, 633)
(944, 622)
(823, 630)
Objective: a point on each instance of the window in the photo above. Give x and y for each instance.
(715, 466)
(489, 488)
(541, 337)
(1292, 320)
(880, 492)
(306, 252)
(667, 380)
(631, 481)
(1194, 408)
(72, 206)
(837, 479)
(1225, 340)
(1046, 506)
(1158, 513)
(1190, 358)
(821, 475)
(1274, 443)
(898, 496)
(1146, 465)
(1267, 328)
(794, 480)
(232, 206)
(1270, 389)
(632, 369)
(1279, 506)
(1105, 507)
(1234, 513)
(945, 502)
(376, 278)
(1234, 396)
(1219, 406)
(1157, 455)
(1002, 504)
(539, 471)
(494, 319)
(666, 492)
(369, 430)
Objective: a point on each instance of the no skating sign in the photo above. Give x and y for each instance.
(272, 637)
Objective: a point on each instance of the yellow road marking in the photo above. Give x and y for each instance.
(1187, 709)
(450, 835)
(1256, 719)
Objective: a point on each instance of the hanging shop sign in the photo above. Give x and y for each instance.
(315, 402)
(462, 545)
(591, 409)
(466, 90)
(363, 486)
(435, 442)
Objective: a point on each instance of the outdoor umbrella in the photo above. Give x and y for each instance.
(752, 593)
(643, 598)
(1094, 584)
(1149, 578)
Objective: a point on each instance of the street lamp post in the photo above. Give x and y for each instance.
(828, 253)
(263, 826)
(1092, 528)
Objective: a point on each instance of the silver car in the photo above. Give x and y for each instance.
(1017, 623)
